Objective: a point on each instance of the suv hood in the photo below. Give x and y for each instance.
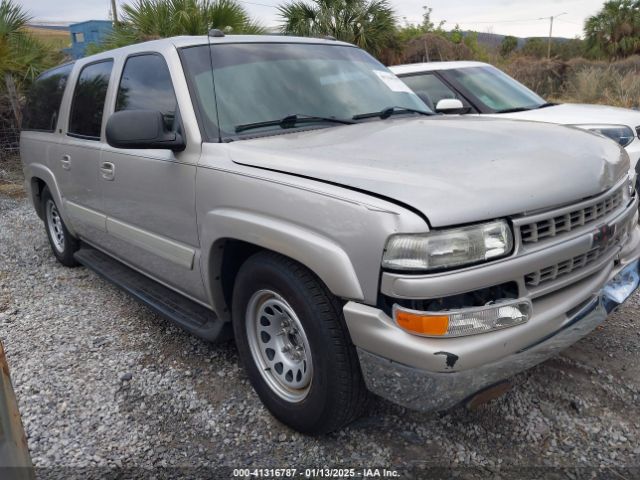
(579, 114)
(454, 170)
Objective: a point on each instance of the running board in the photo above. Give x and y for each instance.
(186, 313)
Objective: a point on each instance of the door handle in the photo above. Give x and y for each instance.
(107, 170)
(66, 162)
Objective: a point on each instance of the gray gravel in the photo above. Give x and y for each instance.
(102, 381)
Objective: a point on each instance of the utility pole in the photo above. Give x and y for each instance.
(114, 11)
(551, 31)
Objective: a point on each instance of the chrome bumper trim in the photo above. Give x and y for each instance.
(420, 389)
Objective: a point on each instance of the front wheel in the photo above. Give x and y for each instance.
(295, 346)
(63, 244)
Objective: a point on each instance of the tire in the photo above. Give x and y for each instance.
(63, 244)
(318, 387)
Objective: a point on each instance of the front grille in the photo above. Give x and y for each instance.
(550, 227)
(553, 272)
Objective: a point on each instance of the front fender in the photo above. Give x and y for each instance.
(317, 252)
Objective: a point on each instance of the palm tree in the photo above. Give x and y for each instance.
(22, 57)
(370, 24)
(151, 19)
(615, 30)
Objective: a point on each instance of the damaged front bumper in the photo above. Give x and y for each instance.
(436, 374)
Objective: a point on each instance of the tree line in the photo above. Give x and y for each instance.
(613, 33)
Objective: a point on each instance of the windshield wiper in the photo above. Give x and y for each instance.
(525, 109)
(514, 110)
(387, 112)
(291, 121)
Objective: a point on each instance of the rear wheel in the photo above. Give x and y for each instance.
(63, 244)
(295, 346)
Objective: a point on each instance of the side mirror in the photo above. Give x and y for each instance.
(451, 106)
(141, 129)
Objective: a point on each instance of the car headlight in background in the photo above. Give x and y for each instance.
(441, 249)
(632, 181)
(621, 134)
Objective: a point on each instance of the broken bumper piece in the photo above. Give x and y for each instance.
(436, 374)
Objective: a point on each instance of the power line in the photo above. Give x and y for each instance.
(551, 18)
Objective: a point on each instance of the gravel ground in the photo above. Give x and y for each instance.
(101, 381)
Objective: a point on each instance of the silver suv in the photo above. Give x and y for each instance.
(295, 194)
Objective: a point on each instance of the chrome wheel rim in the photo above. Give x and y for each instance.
(54, 221)
(279, 345)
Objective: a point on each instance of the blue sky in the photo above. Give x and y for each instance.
(513, 17)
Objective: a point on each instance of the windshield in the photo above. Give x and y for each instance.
(495, 89)
(267, 82)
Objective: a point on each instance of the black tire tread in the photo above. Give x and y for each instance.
(354, 393)
(72, 244)
(351, 396)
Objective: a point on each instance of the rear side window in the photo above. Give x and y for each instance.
(43, 101)
(88, 100)
(146, 85)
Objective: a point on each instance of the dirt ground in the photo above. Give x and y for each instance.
(103, 383)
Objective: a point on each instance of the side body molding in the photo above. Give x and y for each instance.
(163, 247)
(320, 254)
(93, 218)
(176, 252)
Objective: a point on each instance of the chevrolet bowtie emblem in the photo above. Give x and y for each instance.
(603, 235)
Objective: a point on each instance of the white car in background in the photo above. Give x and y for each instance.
(480, 88)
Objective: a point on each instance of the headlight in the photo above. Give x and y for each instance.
(448, 248)
(619, 133)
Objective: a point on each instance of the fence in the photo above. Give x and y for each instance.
(9, 142)
(9, 132)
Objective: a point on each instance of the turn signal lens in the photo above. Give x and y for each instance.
(466, 321)
(432, 325)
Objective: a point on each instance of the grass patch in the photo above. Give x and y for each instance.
(580, 80)
(58, 39)
(13, 190)
(11, 177)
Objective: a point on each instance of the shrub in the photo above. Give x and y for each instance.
(580, 80)
(431, 47)
(546, 77)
